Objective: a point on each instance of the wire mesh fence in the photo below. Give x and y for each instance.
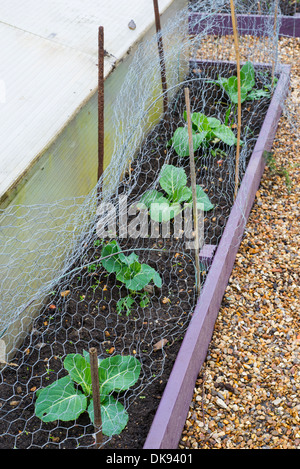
(123, 278)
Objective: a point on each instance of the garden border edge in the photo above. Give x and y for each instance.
(170, 417)
(247, 24)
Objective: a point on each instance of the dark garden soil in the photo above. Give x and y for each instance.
(289, 7)
(81, 313)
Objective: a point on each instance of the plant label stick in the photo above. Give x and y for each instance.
(96, 397)
(193, 184)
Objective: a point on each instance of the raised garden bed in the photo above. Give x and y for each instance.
(252, 25)
(75, 322)
(170, 417)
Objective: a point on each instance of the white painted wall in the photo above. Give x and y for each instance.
(48, 67)
(48, 122)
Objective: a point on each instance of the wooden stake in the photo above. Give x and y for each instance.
(161, 57)
(274, 35)
(236, 45)
(193, 183)
(100, 101)
(258, 7)
(96, 397)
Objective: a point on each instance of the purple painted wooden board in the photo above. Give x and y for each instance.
(253, 25)
(171, 414)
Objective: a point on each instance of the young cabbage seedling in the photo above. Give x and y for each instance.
(230, 85)
(129, 271)
(248, 92)
(265, 92)
(70, 396)
(165, 206)
(205, 130)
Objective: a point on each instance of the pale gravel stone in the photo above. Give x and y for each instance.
(259, 322)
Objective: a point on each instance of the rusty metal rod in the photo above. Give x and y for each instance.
(96, 397)
(161, 56)
(100, 101)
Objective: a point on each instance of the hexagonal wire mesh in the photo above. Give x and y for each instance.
(123, 276)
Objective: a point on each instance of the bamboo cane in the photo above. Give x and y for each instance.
(274, 35)
(193, 184)
(258, 7)
(237, 53)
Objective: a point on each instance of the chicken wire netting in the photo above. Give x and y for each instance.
(116, 269)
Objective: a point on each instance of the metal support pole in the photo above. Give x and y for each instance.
(161, 57)
(100, 101)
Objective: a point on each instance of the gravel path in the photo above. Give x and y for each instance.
(247, 394)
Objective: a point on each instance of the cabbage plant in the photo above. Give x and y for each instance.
(166, 205)
(230, 85)
(68, 397)
(128, 269)
(204, 131)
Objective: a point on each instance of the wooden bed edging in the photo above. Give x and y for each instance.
(171, 414)
(253, 25)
